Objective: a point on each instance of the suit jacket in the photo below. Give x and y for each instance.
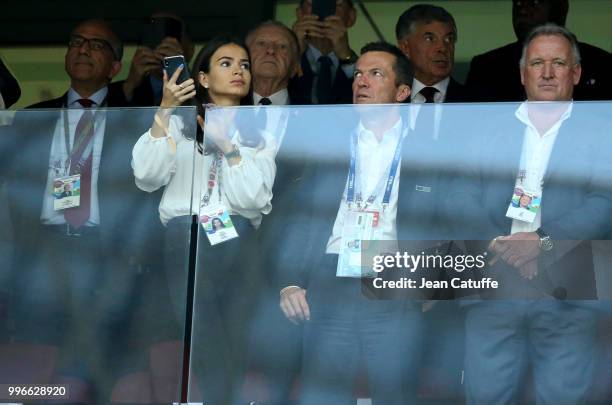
(300, 87)
(576, 202)
(456, 92)
(495, 75)
(127, 215)
(142, 97)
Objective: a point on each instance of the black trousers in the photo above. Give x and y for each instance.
(226, 287)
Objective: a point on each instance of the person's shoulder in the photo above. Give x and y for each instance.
(53, 103)
(457, 92)
(592, 51)
(505, 51)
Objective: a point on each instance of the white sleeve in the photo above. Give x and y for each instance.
(248, 185)
(154, 159)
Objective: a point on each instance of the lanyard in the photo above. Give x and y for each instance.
(350, 193)
(214, 176)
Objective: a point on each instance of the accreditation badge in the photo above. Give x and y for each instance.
(524, 205)
(66, 192)
(217, 223)
(359, 226)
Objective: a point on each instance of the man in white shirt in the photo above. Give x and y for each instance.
(538, 214)
(341, 326)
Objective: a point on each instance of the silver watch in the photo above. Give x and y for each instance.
(546, 243)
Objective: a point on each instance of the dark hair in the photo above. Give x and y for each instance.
(401, 67)
(422, 13)
(551, 30)
(295, 44)
(557, 11)
(113, 40)
(202, 64)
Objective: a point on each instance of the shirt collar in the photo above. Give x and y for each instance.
(441, 86)
(391, 135)
(74, 97)
(522, 114)
(281, 97)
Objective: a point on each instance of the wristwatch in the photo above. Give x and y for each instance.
(235, 153)
(546, 243)
(349, 60)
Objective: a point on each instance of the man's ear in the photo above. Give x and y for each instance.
(577, 72)
(403, 92)
(352, 17)
(115, 69)
(402, 44)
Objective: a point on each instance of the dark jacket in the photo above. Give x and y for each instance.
(495, 75)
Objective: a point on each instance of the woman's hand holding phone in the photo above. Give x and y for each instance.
(176, 94)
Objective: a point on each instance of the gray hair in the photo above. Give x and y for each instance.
(293, 39)
(422, 13)
(551, 29)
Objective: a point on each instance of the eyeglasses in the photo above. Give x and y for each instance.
(95, 44)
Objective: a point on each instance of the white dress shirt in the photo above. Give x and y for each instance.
(281, 97)
(246, 188)
(373, 161)
(534, 160)
(58, 156)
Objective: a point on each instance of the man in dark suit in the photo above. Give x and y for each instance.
(427, 35)
(341, 326)
(76, 264)
(494, 76)
(327, 61)
(143, 86)
(540, 255)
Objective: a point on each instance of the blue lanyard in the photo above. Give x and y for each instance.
(350, 192)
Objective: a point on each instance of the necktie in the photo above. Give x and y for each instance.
(425, 120)
(324, 81)
(265, 101)
(80, 164)
(429, 94)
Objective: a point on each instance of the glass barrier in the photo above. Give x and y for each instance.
(317, 254)
(87, 314)
(378, 230)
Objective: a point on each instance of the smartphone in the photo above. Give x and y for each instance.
(171, 63)
(323, 8)
(158, 28)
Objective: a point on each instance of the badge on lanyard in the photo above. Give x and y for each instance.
(524, 205)
(66, 192)
(217, 224)
(358, 227)
(215, 217)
